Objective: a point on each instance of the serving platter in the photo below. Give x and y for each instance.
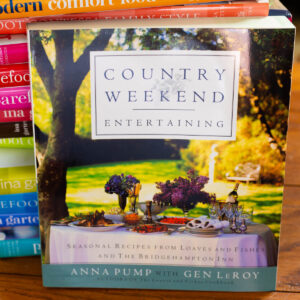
(172, 225)
(100, 228)
(210, 232)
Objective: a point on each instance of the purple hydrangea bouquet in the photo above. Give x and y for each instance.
(123, 186)
(184, 193)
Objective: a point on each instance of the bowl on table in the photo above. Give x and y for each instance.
(155, 208)
(115, 218)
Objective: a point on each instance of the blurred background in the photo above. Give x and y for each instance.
(295, 10)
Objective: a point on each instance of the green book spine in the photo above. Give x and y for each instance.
(22, 142)
(17, 180)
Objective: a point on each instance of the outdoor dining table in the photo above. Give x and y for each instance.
(70, 245)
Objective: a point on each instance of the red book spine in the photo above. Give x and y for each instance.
(232, 9)
(15, 115)
(13, 26)
(14, 75)
(13, 54)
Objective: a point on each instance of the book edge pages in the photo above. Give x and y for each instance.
(271, 22)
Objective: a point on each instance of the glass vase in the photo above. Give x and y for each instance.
(122, 201)
(185, 211)
(133, 202)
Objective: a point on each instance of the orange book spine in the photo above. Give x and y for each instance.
(245, 9)
(13, 9)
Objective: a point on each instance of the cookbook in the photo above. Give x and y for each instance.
(160, 151)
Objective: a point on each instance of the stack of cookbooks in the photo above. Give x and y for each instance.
(18, 197)
(146, 114)
(42, 11)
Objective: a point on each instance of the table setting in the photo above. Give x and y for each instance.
(145, 234)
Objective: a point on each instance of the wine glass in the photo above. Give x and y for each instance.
(220, 211)
(238, 212)
(213, 210)
(247, 215)
(229, 211)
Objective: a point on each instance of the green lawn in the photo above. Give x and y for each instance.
(85, 191)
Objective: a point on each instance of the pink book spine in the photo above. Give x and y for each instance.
(15, 115)
(15, 98)
(13, 54)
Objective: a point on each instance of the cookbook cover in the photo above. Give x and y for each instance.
(160, 151)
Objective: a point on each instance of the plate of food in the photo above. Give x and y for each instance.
(67, 220)
(149, 228)
(173, 222)
(206, 227)
(96, 222)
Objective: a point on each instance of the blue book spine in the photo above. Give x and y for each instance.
(19, 232)
(19, 203)
(23, 247)
(280, 12)
(19, 220)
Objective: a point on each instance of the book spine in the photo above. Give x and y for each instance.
(10, 9)
(281, 12)
(15, 98)
(16, 157)
(11, 39)
(13, 54)
(16, 129)
(19, 232)
(20, 247)
(189, 12)
(22, 143)
(17, 180)
(14, 75)
(247, 8)
(19, 203)
(17, 173)
(13, 26)
(19, 220)
(15, 115)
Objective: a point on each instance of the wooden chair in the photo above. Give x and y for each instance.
(245, 172)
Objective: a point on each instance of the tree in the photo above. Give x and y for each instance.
(271, 81)
(59, 149)
(62, 87)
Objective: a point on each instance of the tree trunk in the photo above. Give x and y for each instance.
(62, 84)
(53, 169)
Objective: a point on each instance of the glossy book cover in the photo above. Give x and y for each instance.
(160, 151)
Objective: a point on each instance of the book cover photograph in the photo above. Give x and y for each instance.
(160, 151)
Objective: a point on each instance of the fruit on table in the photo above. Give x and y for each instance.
(148, 228)
(174, 220)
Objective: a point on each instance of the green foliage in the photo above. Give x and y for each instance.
(151, 171)
(43, 107)
(263, 91)
(83, 109)
(270, 75)
(252, 145)
(86, 193)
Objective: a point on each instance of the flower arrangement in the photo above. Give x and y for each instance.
(121, 185)
(124, 186)
(183, 193)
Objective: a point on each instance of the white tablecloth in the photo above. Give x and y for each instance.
(256, 248)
